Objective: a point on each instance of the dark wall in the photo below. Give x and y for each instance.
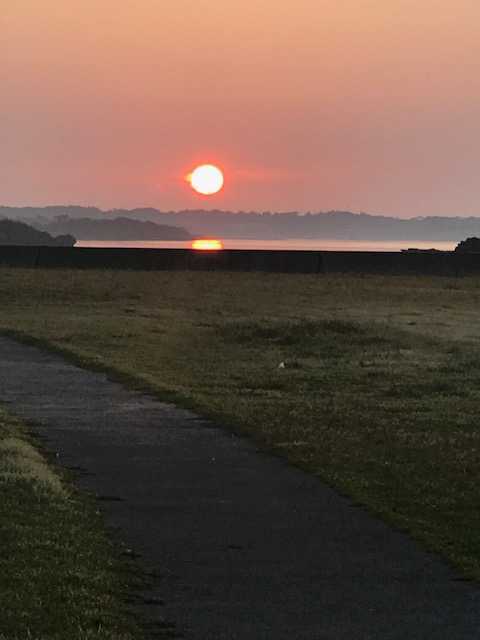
(389, 262)
(162, 259)
(437, 263)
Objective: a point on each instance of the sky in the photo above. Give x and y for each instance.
(306, 105)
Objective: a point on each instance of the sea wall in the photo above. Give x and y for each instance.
(436, 263)
(161, 259)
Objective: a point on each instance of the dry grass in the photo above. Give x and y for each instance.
(59, 576)
(20, 462)
(379, 394)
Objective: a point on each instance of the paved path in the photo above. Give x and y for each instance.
(245, 546)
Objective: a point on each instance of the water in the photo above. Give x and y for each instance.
(291, 245)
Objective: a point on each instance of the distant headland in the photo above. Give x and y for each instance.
(153, 224)
(120, 228)
(13, 232)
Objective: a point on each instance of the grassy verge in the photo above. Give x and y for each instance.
(59, 576)
(378, 391)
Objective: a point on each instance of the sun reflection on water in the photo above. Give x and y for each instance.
(207, 244)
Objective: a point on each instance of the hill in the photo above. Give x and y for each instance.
(18, 233)
(330, 225)
(120, 228)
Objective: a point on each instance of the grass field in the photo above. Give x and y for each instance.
(60, 577)
(379, 391)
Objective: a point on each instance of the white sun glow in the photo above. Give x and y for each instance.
(206, 179)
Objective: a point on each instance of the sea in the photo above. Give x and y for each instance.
(290, 245)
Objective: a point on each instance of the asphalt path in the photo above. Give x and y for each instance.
(243, 546)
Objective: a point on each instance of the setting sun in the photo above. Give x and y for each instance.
(206, 179)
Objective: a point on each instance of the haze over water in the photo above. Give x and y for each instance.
(291, 245)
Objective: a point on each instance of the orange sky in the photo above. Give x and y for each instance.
(307, 104)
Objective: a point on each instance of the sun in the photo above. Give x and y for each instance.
(206, 179)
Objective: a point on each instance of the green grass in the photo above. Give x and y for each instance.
(379, 394)
(60, 578)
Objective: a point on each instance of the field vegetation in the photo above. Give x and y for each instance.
(60, 577)
(372, 383)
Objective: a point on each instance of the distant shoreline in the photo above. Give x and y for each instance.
(279, 245)
(336, 226)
